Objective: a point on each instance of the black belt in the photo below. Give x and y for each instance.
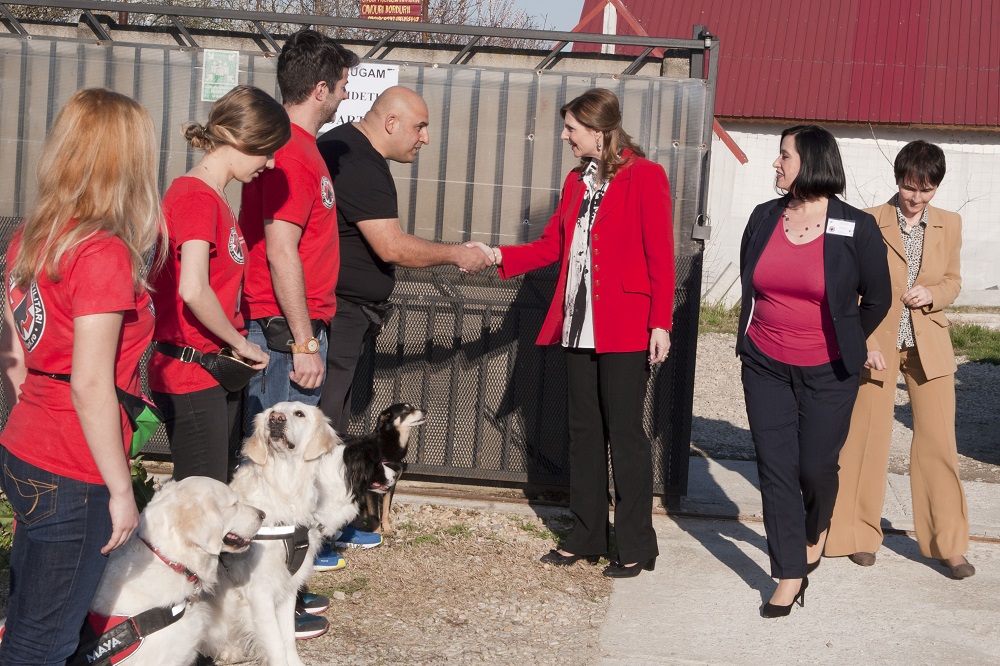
(185, 354)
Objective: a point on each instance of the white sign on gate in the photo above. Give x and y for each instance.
(364, 84)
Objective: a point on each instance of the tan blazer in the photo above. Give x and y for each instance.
(940, 272)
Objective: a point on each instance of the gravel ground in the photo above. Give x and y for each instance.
(719, 429)
(462, 587)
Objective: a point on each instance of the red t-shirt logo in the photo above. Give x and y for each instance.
(29, 314)
(326, 187)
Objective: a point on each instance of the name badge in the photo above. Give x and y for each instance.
(840, 227)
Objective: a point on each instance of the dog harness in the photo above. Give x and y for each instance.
(105, 641)
(108, 640)
(296, 542)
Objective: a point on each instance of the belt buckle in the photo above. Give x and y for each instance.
(187, 354)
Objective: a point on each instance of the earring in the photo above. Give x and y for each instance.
(599, 145)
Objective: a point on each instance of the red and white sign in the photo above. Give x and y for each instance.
(391, 10)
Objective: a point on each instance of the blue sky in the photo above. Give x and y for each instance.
(558, 14)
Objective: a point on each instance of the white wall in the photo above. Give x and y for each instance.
(971, 187)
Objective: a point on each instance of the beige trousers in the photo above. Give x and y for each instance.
(940, 516)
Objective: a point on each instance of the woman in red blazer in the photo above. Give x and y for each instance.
(612, 312)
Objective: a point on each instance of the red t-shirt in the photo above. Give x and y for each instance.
(194, 211)
(96, 278)
(791, 319)
(297, 190)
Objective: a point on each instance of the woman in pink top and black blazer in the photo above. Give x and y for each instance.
(814, 278)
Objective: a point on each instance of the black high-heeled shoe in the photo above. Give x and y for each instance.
(560, 560)
(812, 566)
(616, 570)
(774, 610)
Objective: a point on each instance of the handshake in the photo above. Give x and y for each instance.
(474, 257)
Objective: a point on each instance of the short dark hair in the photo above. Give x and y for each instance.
(921, 163)
(821, 173)
(307, 58)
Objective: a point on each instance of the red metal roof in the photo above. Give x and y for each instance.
(881, 61)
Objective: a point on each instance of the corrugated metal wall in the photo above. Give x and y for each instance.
(871, 61)
(461, 346)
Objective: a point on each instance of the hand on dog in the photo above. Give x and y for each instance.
(124, 519)
(659, 345)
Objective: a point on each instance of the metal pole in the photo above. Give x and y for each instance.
(425, 18)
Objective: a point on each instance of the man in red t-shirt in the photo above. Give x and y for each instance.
(289, 221)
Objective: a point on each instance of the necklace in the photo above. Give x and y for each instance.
(789, 230)
(220, 190)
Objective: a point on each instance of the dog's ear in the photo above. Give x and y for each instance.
(255, 446)
(322, 440)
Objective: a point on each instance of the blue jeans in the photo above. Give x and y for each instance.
(55, 562)
(272, 386)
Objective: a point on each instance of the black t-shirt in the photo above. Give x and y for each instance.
(365, 191)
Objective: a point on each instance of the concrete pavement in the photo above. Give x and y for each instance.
(701, 604)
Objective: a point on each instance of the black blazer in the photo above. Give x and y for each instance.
(852, 265)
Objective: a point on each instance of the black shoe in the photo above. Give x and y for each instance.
(812, 566)
(560, 560)
(774, 610)
(616, 570)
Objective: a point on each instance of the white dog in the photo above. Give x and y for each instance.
(163, 568)
(255, 604)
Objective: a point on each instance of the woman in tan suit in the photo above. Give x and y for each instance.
(924, 247)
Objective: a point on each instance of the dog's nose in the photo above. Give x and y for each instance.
(276, 417)
(261, 514)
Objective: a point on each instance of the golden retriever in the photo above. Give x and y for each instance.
(255, 603)
(173, 558)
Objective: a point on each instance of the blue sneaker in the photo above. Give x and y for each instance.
(328, 559)
(309, 602)
(309, 626)
(355, 538)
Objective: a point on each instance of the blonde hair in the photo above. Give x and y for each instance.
(246, 118)
(598, 109)
(97, 167)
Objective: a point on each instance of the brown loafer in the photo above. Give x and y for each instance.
(862, 559)
(959, 571)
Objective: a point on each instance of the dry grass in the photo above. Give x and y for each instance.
(460, 586)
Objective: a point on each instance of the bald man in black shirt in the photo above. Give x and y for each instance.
(371, 240)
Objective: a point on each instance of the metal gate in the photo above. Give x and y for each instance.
(460, 346)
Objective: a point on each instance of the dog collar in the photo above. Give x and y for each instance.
(179, 568)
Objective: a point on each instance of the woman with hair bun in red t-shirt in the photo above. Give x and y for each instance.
(77, 300)
(197, 294)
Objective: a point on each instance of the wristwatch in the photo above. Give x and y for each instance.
(311, 346)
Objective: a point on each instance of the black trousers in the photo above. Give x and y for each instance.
(346, 336)
(606, 393)
(200, 430)
(799, 418)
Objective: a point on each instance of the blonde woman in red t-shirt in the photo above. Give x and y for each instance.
(815, 285)
(197, 294)
(76, 297)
